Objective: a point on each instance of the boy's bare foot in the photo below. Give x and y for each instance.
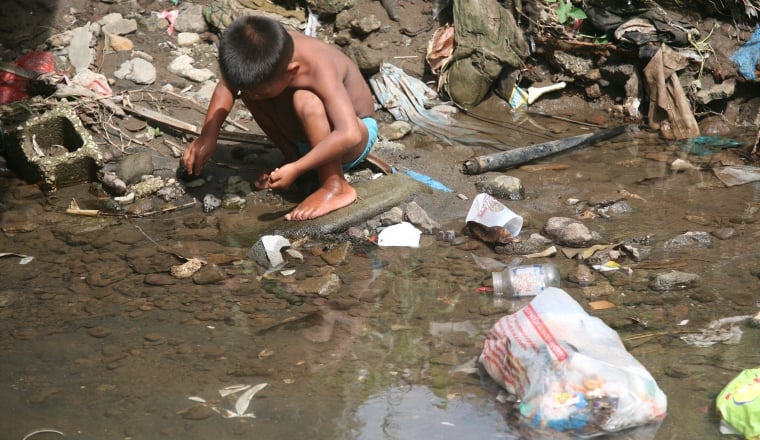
(334, 193)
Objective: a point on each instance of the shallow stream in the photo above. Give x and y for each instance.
(98, 341)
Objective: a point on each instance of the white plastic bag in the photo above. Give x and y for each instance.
(569, 370)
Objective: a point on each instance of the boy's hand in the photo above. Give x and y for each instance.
(283, 177)
(197, 154)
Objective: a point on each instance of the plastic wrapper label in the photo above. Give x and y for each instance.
(739, 403)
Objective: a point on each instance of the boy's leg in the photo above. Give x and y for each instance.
(279, 122)
(333, 192)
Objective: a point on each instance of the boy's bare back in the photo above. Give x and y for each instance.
(321, 65)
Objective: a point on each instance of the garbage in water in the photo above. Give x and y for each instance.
(524, 97)
(569, 371)
(403, 234)
(706, 145)
(528, 280)
(410, 99)
(722, 330)
(241, 404)
(733, 175)
(267, 250)
(488, 211)
(24, 259)
(738, 405)
(43, 431)
(427, 180)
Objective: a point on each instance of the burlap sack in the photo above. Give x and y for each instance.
(487, 40)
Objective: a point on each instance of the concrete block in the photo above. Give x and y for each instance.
(53, 149)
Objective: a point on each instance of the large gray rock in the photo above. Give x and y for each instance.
(568, 232)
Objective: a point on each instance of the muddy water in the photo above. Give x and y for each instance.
(99, 341)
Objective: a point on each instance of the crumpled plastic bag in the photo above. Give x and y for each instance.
(569, 370)
(739, 404)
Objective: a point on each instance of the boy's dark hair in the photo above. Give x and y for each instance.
(254, 50)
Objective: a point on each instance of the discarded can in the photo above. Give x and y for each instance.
(527, 280)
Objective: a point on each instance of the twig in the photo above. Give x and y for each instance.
(665, 333)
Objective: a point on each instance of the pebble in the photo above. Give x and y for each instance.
(99, 332)
(724, 233)
(209, 274)
(337, 255)
(198, 412)
(211, 203)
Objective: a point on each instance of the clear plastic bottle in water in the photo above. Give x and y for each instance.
(529, 280)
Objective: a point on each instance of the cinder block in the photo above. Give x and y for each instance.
(54, 149)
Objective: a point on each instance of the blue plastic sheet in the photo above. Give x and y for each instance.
(746, 56)
(706, 145)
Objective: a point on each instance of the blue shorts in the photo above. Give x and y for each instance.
(371, 124)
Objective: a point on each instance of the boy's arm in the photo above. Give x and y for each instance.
(345, 134)
(200, 150)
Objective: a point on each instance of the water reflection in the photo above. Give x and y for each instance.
(416, 412)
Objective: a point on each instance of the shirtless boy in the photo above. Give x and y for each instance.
(307, 96)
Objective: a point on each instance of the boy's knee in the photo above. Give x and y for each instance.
(307, 103)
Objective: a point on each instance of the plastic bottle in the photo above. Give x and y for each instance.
(527, 280)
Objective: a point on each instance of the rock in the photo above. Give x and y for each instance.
(715, 92)
(573, 65)
(119, 43)
(233, 201)
(99, 332)
(674, 280)
(688, 240)
(366, 25)
(183, 66)
(117, 25)
(237, 185)
(568, 232)
(724, 233)
(329, 7)
(418, 217)
(133, 167)
(190, 19)
(323, 286)
(368, 60)
(337, 254)
(198, 412)
(211, 203)
(137, 70)
(172, 191)
(395, 130)
(582, 275)
(148, 186)
(113, 184)
(185, 39)
(106, 278)
(715, 126)
(209, 274)
(502, 187)
(159, 279)
(392, 217)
